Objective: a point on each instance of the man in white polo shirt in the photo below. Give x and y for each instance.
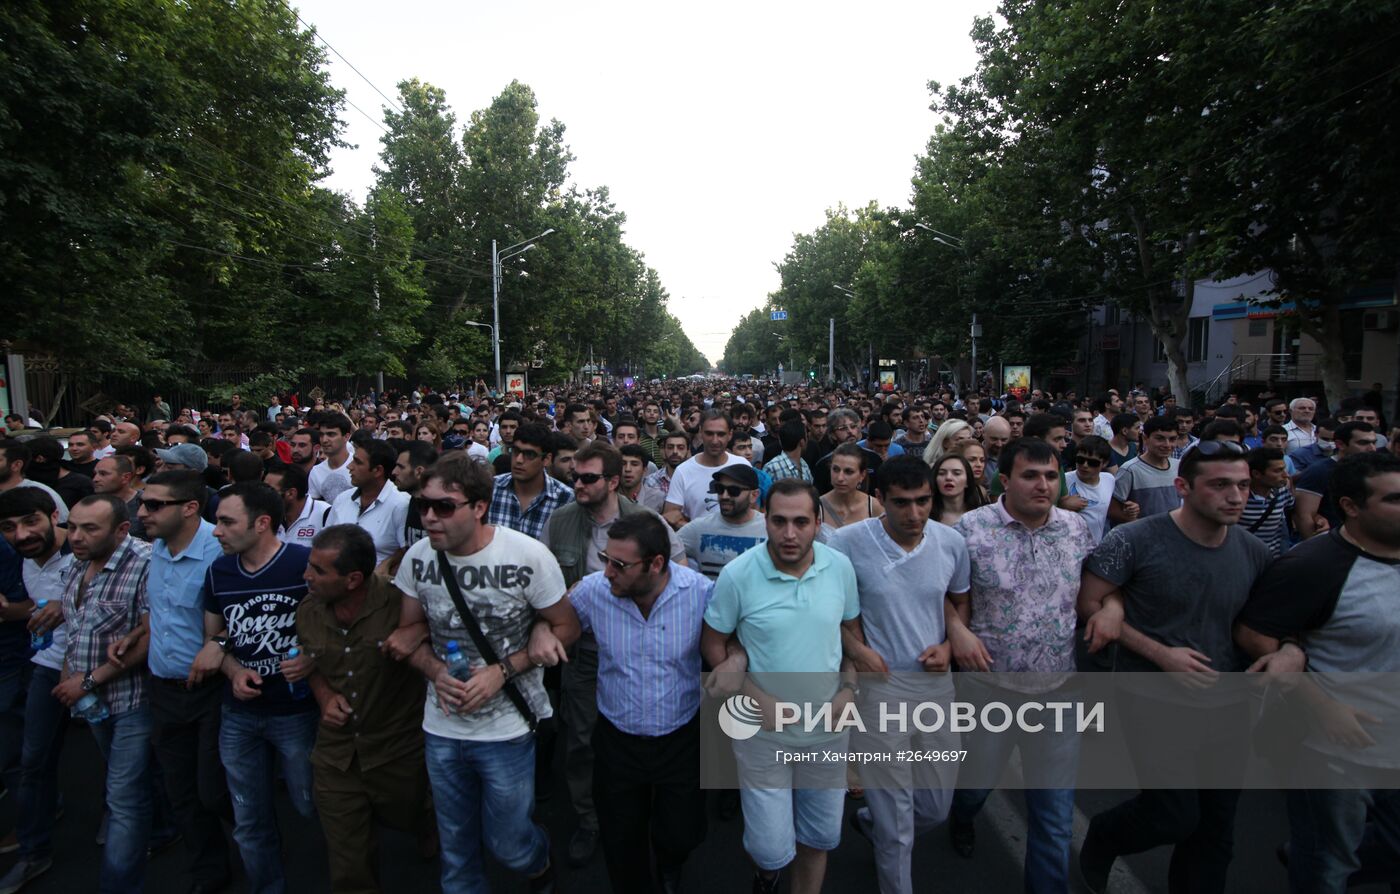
(305, 516)
(374, 503)
(331, 475)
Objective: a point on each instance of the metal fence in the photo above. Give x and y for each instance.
(85, 397)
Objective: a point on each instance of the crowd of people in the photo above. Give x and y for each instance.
(403, 605)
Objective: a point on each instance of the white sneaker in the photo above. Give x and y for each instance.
(22, 873)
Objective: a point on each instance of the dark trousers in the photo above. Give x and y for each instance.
(351, 801)
(647, 793)
(1200, 823)
(578, 710)
(185, 736)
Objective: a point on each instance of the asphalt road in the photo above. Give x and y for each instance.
(719, 865)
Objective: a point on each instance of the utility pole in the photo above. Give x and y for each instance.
(976, 331)
(496, 311)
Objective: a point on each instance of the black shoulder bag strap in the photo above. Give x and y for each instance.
(1268, 510)
(483, 645)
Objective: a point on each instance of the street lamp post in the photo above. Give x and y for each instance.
(497, 257)
(831, 341)
(955, 243)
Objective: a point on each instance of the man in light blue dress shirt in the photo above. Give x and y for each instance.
(185, 709)
(646, 613)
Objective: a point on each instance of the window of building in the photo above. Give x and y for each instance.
(1197, 342)
(1258, 328)
(1197, 339)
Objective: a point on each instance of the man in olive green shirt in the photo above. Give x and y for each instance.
(369, 748)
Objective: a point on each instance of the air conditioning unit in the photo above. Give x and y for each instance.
(1379, 320)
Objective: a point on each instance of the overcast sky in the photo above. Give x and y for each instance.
(721, 129)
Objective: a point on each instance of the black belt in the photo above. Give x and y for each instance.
(183, 683)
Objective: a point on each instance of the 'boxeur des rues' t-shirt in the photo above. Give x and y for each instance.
(260, 609)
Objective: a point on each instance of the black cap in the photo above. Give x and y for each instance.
(740, 473)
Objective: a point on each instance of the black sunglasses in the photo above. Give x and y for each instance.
(617, 564)
(588, 477)
(158, 505)
(1092, 462)
(525, 454)
(732, 490)
(442, 508)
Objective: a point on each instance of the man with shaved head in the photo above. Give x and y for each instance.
(995, 434)
(126, 434)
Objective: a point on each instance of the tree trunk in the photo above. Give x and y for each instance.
(1168, 318)
(54, 404)
(1326, 328)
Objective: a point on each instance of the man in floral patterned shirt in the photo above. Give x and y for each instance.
(1019, 617)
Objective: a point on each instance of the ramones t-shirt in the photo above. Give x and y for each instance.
(503, 585)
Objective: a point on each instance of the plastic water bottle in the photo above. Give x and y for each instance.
(457, 663)
(91, 708)
(299, 689)
(41, 641)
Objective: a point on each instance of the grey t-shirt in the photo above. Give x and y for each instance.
(901, 593)
(1179, 592)
(1153, 489)
(711, 542)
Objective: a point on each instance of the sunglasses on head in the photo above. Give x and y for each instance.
(442, 508)
(732, 490)
(1215, 448)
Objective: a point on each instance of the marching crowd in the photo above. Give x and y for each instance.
(404, 605)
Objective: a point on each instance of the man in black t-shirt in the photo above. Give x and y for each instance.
(1177, 580)
(1313, 499)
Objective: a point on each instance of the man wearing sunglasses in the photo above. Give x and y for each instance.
(714, 540)
(479, 741)
(1089, 481)
(644, 614)
(576, 534)
(185, 713)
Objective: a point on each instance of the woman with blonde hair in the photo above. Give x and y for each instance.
(949, 434)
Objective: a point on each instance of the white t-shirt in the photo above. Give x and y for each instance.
(711, 541)
(1098, 497)
(315, 515)
(478, 452)
(46, 582)
(326, 483)
(690, 485)
(503, 585)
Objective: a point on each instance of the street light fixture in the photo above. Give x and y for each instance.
(956, 243)
(497, 257)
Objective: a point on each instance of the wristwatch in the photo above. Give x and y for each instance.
(223, 642)
(507, 672)
(89, 684)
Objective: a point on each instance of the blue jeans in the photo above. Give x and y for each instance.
(1339, 834)
(249, 744)
(45, 728)
(484, 790)
(125, 742)
(14, 689)
(1049, 811)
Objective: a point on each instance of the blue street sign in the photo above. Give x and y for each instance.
(778, 315)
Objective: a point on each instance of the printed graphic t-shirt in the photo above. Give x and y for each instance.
(503, 585)
(260, 609)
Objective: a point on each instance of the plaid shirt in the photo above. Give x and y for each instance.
(505, 508)
(111, 608)
(1180, 451)
(782, 466)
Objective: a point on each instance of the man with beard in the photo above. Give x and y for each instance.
(645, 615)
(577, 534)
(29, 523)
(416, 458)
(714, 540)
(561, 462)
(675, 449)
(689, 496)
(305, 445)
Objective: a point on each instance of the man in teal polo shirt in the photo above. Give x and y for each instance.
(787, 603)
